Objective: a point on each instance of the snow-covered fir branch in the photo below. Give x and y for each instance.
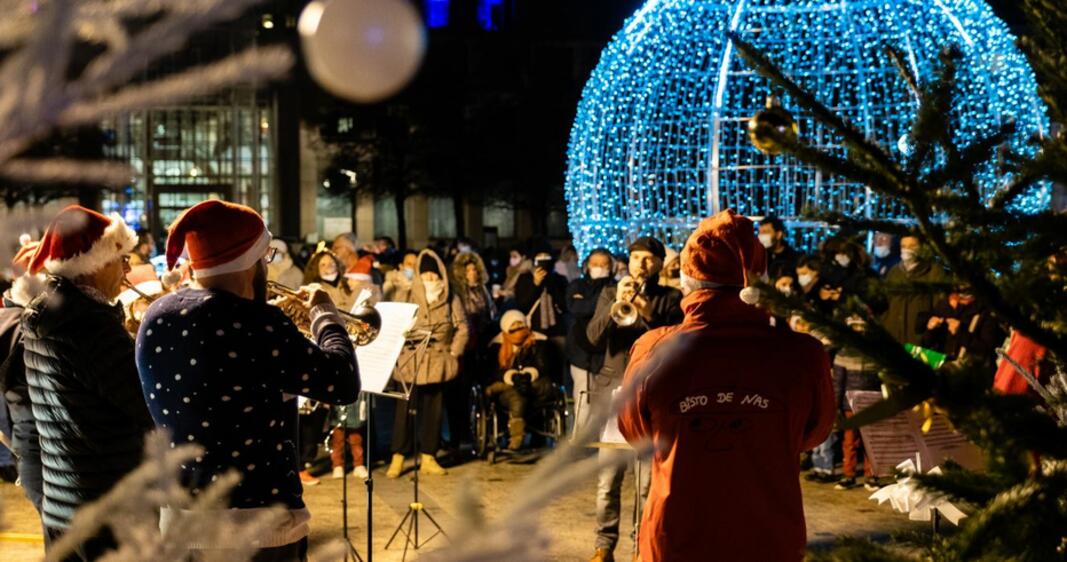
(37, 95)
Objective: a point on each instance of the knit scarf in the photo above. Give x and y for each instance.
(513, 343)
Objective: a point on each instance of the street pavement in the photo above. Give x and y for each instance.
(568, 522)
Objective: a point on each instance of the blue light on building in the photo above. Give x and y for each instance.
(659, 141)
(486, 19)
(437, 13)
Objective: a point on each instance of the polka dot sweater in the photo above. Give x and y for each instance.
(215, 370)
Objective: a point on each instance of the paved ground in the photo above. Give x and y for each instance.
(568, 521)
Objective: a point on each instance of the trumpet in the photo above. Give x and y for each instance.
(362, 325)
(624, 313)
(136, 308)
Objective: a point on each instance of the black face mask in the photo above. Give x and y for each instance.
(259, 283)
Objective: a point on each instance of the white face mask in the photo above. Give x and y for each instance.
(329, 277)
(515, 261)
(785, 290)
(805, 279)
(907, 256)
(409, 273)
(767, 240)
(599, 272)
(843, 260)
(462, 248)
(881, 251)
(434, 290)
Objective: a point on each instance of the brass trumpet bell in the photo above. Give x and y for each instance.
(624, 313)
(362, 325)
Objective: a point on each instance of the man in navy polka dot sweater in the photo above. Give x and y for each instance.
(216, 363)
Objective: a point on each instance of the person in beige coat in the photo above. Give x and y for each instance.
(441, 314)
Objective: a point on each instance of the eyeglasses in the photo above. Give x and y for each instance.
(272, 253)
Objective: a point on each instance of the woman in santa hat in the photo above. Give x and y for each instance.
(80, 369)
(729, 402)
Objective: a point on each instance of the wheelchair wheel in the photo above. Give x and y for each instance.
(480, 423)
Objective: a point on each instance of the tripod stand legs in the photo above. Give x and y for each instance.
(411, 532)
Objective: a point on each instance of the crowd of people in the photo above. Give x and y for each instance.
(209, 353)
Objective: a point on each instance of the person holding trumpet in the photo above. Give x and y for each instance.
(623, 314)
(217, 362)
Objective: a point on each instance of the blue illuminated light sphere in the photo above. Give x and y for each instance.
(660, 140)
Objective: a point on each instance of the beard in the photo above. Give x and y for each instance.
(259, 283)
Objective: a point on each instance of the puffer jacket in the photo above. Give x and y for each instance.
(86, 397)
(477, 302)
(447, 322)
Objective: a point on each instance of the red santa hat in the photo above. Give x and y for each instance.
(360, 271)
(218, 238)
(81, 241)
(724, 251)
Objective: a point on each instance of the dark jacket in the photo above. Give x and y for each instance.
(532, 357)
(617, 340)
(527, 293)
(906, 309)
(782, 263)
(13, 386)
(86, 397)
(582, 296)
(477, 302)
(216, 369)
(978, 333)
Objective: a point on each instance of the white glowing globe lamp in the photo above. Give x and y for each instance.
(362, 50)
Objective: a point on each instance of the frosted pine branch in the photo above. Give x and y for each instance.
(252, 65)
(36, 95)
(64, 170)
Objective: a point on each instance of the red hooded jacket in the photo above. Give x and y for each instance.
(729, 402)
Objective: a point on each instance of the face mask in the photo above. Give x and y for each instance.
(767, 240)
(881, 251)
(515, 261)
(907, 256)
(785, 290)
(805, 279)
(843, 260)
(463, 248)
(433, 290)
(329, 277)
(599, 272)
(409, 273)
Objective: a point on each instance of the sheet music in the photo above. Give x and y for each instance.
(899, 438)
(377, 359)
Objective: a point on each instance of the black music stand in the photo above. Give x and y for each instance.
(416, 507)
(350, 549)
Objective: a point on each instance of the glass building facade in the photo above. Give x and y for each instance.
(218, 148)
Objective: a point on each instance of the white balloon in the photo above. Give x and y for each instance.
(362, 50)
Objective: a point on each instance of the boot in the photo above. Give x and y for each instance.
(395, 466)
(603, 555)
(516, 432)
(428, 464)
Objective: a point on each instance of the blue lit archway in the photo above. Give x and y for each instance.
(660, 142)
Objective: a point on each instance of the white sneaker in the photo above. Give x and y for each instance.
(338, 472)
(360, 472)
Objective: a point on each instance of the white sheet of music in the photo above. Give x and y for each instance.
(377, 360)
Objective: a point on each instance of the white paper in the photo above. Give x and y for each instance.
(377, 359)
(610, 433)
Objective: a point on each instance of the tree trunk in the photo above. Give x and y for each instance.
(457, 209)
(399, 197)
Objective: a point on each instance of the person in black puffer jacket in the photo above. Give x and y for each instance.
(83, 384)
(25, 442)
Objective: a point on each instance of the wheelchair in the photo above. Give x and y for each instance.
(488, 421)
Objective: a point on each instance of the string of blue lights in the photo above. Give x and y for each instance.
(660, 137)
